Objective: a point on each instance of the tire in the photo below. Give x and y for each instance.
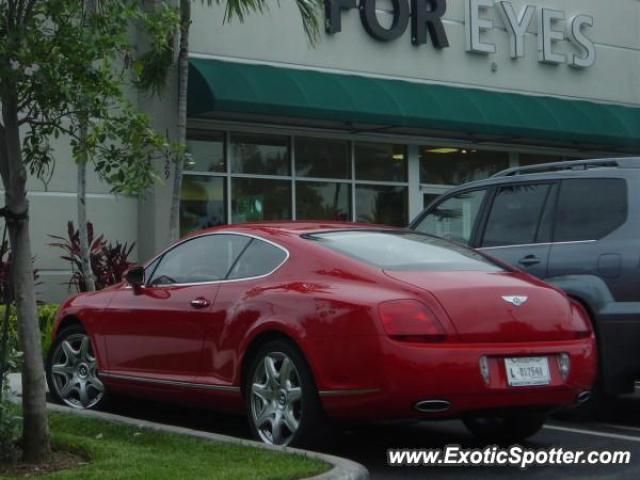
(72, 371)
(283, 411)
(504, 429)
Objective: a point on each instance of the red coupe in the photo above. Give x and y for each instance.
(297, 323)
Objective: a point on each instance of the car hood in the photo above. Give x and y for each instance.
(496, 307)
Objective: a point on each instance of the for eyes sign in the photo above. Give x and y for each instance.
(425, 19)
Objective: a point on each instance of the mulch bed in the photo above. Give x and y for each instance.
(59, 460)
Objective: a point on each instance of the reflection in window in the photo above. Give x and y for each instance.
(206, 152)
(202, 259)
(322, 158)
(260, 154)
(381, 162)
(590, 209)
(516, 213)
(260, 258)
(455, 218)
(323, 201)
(202, 203)
(455, 166)
(385, 205)
(256, 200)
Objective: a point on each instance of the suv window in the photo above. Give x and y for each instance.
(260, 258)
(455, 217)
(516, 215)
(202, 259)
(590, 209)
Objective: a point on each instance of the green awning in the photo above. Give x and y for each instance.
(219, 87)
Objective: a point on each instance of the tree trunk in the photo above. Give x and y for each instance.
(35, 445)
(85, 254)
(183, 81)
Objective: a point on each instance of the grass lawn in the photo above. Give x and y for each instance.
(117, 451)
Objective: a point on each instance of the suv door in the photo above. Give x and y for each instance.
(518, 226)
(455, 217)
(589, 215)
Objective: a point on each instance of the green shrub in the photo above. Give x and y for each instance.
(10, 420)
(46, 314)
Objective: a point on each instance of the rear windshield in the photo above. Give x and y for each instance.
(404, 251)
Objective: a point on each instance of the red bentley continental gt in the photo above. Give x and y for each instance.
(297, 323)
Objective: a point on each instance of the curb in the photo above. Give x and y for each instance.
(343, 469)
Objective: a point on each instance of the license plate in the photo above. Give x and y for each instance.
(527, 371)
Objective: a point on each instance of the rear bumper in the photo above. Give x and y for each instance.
(619, 330)
(451, 373)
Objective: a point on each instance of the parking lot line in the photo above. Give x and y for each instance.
(594, 433)
(618, 427)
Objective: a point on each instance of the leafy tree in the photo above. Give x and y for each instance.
(104, 127)
(55, 79)
(309, 10)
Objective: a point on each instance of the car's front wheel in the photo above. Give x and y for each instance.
(72, 370)
(505, 428)
(282, 400)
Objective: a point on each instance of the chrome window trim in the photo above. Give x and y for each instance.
(547, 244)
(215, 282)
(157, 381)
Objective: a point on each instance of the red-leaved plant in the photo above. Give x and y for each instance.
(109, 260)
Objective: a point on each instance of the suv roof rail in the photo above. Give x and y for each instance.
(630, 162)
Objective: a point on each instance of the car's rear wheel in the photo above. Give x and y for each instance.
(72, 372)
(282, 400)
(505, 428)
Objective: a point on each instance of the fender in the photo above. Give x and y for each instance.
(274, 324)
(616, 325)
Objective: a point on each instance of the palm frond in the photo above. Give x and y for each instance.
(310, 11)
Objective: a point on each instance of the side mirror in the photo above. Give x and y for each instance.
(135, 276)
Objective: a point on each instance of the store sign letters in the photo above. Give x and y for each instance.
(424, 17)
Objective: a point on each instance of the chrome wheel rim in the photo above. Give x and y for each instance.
(74, 372)
(276, 399)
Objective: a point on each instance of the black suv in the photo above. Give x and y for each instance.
(575, 225)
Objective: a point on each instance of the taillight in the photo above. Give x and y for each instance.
(410, 321)
(580, 323)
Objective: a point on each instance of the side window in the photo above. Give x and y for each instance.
(203, 259)
(516, 215)
(454, 218)
(590, 209)
(258, 259)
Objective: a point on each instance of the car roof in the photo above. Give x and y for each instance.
(291, 227)
(558, 170)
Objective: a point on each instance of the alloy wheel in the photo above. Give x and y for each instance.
(74, 372)
(276, 399)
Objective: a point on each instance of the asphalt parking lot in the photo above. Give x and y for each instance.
(368, 444)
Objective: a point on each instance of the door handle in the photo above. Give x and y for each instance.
(529, 261)
(199, 302)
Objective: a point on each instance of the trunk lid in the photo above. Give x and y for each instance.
(496, 307)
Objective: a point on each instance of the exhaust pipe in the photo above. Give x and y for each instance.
(432, 406)
(583, 397)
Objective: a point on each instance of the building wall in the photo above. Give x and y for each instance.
(54, 204)
(277, 37)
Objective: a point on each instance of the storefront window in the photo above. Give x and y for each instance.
(382, 204)
(202, 203)
(256, 200)
(260, 154)
(323, 201)
(322, 158)
(206, 152)
(455, 166)
(527, 159)
(381, 162)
